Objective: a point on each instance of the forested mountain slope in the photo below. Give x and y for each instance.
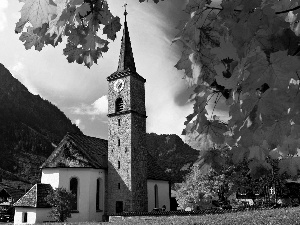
(29, 127)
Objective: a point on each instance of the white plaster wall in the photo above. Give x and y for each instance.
(50, 176)
(31, 215)
(163, 194)
(87, 178)
(43, 215)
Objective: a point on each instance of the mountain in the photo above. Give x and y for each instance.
(172, 154)
(30, 127)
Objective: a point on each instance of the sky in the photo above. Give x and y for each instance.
(81, 93)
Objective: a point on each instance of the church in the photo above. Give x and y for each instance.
(106, 176)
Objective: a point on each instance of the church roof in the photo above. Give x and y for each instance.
(126, 65)
(35, 197)
(78, 150)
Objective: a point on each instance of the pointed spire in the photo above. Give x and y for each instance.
(126, 60)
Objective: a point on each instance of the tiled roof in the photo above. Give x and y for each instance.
(12, 192)
(125, 73)
(77, 150)
(35, 197)
(94, 151)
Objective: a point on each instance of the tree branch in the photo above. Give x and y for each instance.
(238, 10)
(288, 10)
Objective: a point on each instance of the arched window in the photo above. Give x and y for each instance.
(119, 105)
(74, 190)
(99, 194)
(156, 196)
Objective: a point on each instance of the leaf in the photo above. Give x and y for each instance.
(58, 24)
(92, 42)
(255, 152)
(36, 12)
(275, 134)
(257, 66)
(226, 50)
(239, 154)
(194, 5)
(184, 63)
(284, 68)
(214, 129)
(112, 28)
(272, 104)
(290, 165)
(73, 53)
(36, 38)
(289, 146)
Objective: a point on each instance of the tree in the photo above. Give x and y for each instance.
(197, 190)
(61, 201)
(243, 52)
(216, 177)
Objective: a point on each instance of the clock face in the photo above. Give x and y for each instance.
(119, 85)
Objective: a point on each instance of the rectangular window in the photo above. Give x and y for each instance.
(119, 142)
(98, 195)
(119, 122)
(119, 186)
(119, 164)
(25, 217)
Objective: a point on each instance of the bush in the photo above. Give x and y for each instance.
(61, 201)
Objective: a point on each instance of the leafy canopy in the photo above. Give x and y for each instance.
(79, 20)
(243, 52)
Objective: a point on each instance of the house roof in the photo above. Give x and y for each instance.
(12, 192)
(78, 150)
(35, 197)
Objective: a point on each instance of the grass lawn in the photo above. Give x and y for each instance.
(289, 216)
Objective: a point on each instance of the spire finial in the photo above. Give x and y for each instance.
(125, 13)
(126, 60)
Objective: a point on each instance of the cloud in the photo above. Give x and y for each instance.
(79, 124)
(99, 107)
(3, 18)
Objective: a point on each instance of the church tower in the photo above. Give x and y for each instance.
(127, 154)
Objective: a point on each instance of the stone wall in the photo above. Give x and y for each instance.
(127, 165)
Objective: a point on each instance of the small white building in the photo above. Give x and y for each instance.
(107, 176)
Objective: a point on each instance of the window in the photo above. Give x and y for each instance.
(99, 189)
(25, 215)
(98, 195)
(155, 196)
(119, 186)
(119, 142)
(119, 164)
(119, 122)
(74, 190)
(119, 105)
